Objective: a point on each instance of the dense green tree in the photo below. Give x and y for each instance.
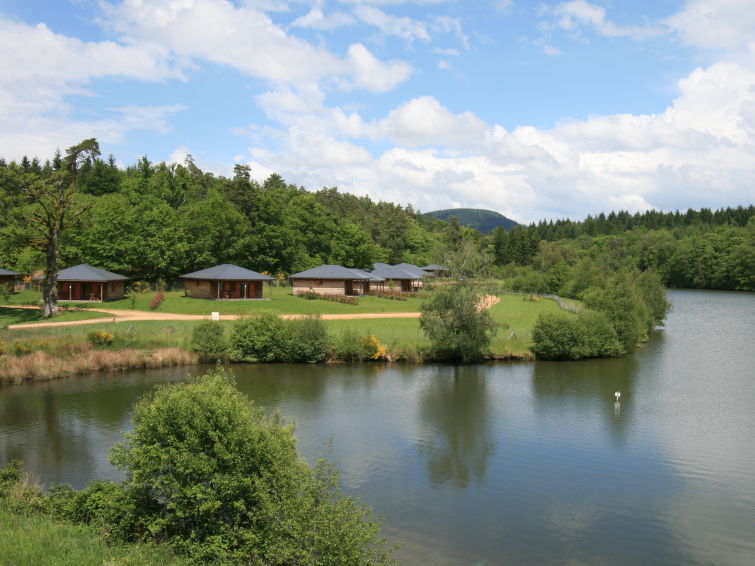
(210, 473)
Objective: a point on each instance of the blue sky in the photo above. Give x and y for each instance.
(534, 109)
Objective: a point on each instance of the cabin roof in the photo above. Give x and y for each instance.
(227, 272)
(435, 267)
(395, 272)
(332, 272)
(5, 272)
(86, 272)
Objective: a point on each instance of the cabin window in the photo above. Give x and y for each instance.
(318, 281)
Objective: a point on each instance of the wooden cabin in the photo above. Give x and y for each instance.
(8, 278)
(225, 281)
(436, 269)
(87, 283)
(333, 280)
(404, 279)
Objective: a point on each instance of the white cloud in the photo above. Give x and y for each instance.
(370, 73)
(700, 146)
(715, 24)
(571, 16)
(316, 19)
(35, 79)
(246, 39)
(400, 26)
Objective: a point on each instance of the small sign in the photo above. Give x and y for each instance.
(215, 316)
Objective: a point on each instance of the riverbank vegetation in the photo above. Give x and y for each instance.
(213, 479)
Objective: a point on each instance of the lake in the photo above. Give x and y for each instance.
(529, 463)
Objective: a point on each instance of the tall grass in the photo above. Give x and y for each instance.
(41, 365)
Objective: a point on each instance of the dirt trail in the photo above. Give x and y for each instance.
(130, 316)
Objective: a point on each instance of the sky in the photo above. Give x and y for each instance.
(538, 110)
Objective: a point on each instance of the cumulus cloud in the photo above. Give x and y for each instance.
(700, 145)
(245, 38)
(34, 81)
(715, 24)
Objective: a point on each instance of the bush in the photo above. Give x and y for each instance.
(349, 346)
(263, 337)
(21, 348)
(308, 340)
(208, 340)
(157, 300)
(100, 338)
(455, 324)
(211, 474)
(565, 337)
(372, 348)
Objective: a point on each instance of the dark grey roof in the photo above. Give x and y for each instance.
(395, 272)
(372, 276)
(228, 272)
(435, 267)
(5, 272)
(331, 272)
(410, 267)
(86, 272)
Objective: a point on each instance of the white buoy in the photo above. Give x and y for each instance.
(617, 395)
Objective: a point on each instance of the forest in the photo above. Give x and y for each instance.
(155, 221)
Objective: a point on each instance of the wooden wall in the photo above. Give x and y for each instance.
(321, 286)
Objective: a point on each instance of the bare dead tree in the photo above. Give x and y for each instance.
(55, 212)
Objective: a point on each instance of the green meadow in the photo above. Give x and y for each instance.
(32, 539)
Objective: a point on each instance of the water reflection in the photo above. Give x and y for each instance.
(457, 440)
(574, 390)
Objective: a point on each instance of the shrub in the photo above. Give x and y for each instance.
(157, 300)
(456, 325)
(308, 340)
(21, 348)
(100, 338)
(263, 337)
(349, 346)
(208, 340)
(212, 475)
(5, 292)
(372, 348)
(588, 334)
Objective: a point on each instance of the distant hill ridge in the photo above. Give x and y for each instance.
(480, 219)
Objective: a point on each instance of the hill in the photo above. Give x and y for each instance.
(479, 219)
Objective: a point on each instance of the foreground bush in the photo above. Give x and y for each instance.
(573, 337)
(211, 474)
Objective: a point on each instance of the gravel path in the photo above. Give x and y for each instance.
(130, 316)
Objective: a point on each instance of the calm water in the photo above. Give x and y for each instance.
(494, 464)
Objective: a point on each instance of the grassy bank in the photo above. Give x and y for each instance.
(46, 353)
(31, 539)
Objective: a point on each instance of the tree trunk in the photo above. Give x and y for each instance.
(50, 282)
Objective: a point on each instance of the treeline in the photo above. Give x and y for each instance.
(156, 221)
(696, 249)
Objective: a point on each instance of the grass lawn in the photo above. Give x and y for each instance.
(519, 314)
(35, 539)
(400, 333)
(282, 301)
(22, 316)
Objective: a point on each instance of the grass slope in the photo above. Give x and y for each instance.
(37, 539)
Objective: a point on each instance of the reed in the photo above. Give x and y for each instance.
(41, 366)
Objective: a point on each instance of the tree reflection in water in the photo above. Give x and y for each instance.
(455, 414)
